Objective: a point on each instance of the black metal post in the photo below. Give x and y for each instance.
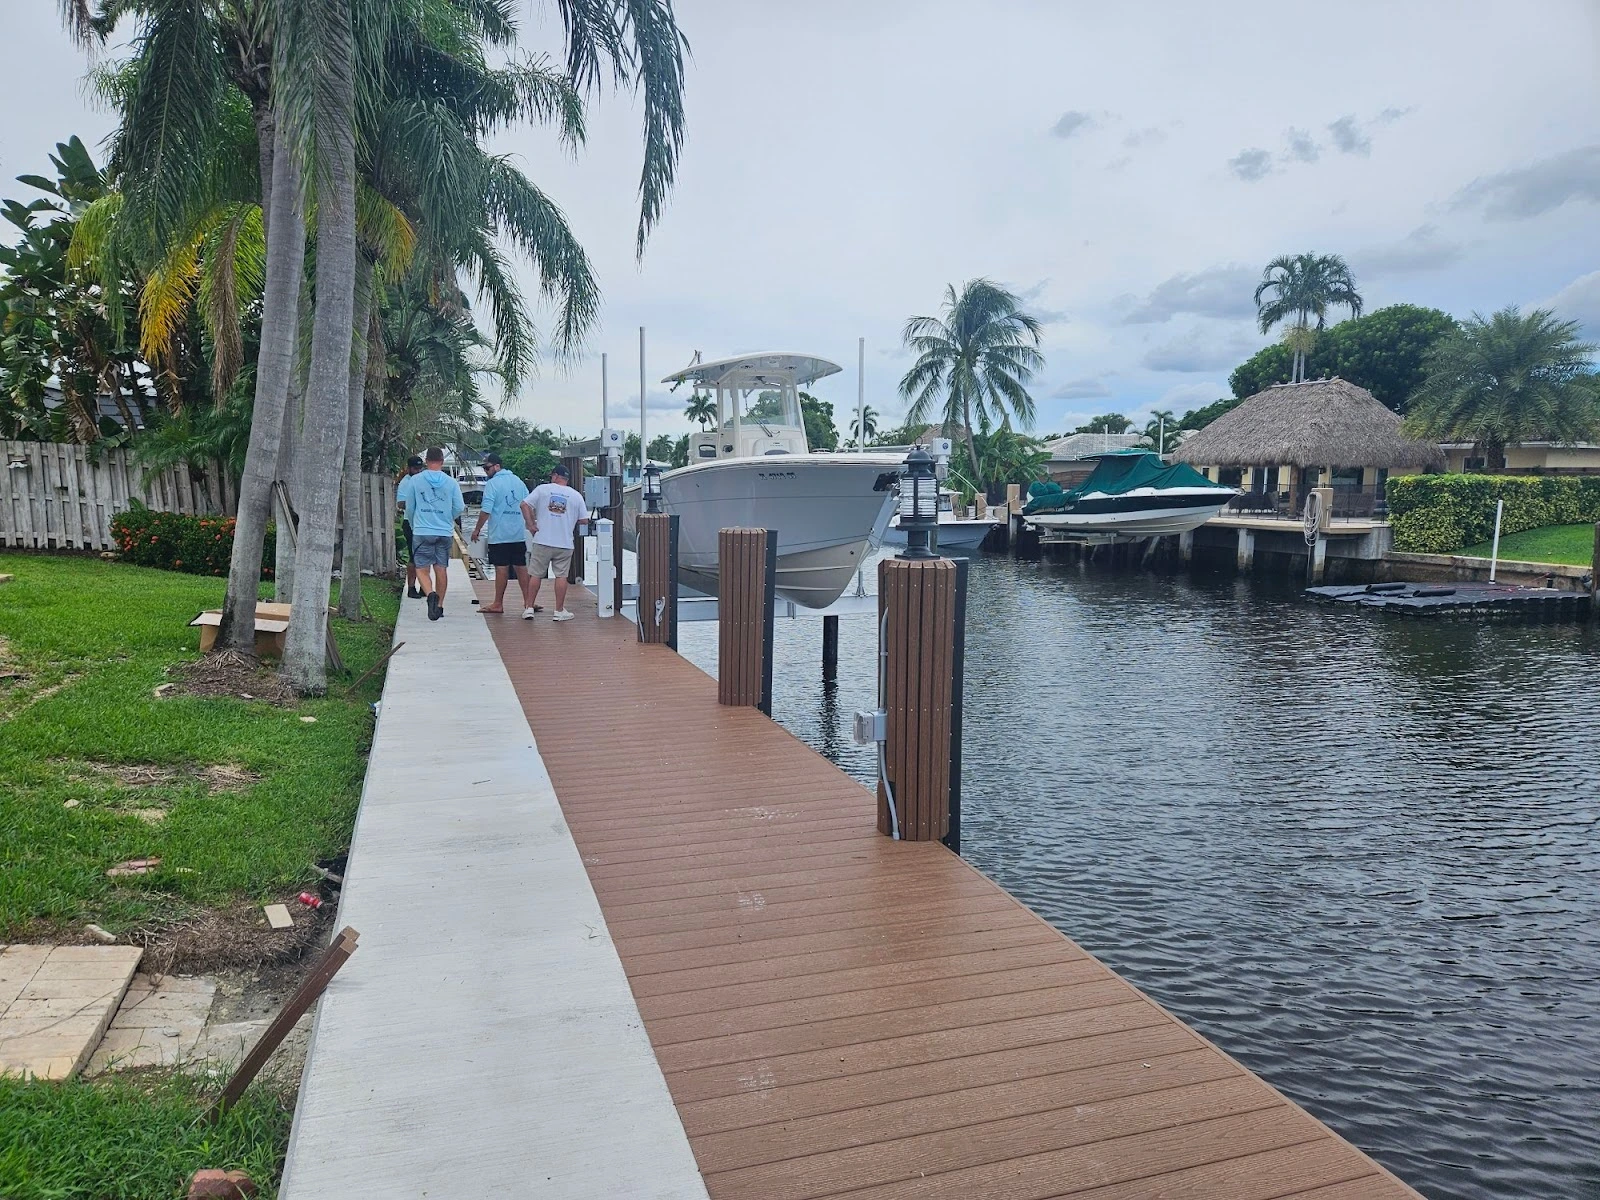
(768, 612)
(830, 649)
(958, 670)
(672, 582)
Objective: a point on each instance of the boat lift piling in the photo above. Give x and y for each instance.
(748, 572)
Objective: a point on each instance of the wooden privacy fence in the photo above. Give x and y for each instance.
(58, 497)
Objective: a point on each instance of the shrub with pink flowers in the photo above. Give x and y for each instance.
(178, 542)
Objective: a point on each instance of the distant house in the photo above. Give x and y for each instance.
(1070, 460)
(1292, 437)
(1525, 456)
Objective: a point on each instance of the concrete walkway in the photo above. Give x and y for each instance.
(484, 1040)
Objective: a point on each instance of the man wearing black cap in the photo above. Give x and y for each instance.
(413, 469)
(508, 549)
(553, 511)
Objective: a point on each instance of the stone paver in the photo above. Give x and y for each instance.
(158, 1024)
(58, 1001)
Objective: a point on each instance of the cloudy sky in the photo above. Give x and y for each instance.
(1127, 169)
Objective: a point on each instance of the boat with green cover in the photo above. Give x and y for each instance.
(1130, 493)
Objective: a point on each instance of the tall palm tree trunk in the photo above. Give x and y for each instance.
(275, 363)
(288, 468)
(328, 391)
(350, 567)
(972, 446)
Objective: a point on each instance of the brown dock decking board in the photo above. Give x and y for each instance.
(840, 1014)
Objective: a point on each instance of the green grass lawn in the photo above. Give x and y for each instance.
(135, 1138)
(1569, 544)
(91, 641)
(85, 747)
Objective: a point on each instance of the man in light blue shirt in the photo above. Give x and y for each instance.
(433, 501)
(508, 549)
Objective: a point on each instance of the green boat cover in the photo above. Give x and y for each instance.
(1115, 474)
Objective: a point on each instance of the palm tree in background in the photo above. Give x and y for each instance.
(865, 425)
(702, 409)
(1296, 288)
(972, 362)
(306, 69)
(1508, 378)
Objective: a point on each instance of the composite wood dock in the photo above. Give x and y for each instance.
(836, 1013)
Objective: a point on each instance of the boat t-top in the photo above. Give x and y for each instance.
(754, 469)
(1129, 494)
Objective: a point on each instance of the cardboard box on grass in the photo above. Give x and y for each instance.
(272, 623)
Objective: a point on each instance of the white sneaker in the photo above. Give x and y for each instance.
(561, 614)
(527, 614)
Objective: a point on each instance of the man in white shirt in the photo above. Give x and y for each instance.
(552, 512)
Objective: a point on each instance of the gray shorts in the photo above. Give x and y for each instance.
(430, 550)
(542, 558)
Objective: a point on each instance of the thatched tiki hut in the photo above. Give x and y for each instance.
(1295, 436)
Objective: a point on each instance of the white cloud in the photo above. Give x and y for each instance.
(1302, 146)
(1191, 395)
(1081, 389)
(1203, 348)
(1251, 165)
(1579, 301)
(1530, 191)
(1423, 249)
(1348, 136)
(1215, 292)
(1073, 122)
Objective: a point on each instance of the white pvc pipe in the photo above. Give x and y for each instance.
(644, 443)
(861, 395)
(1494, 551)
(603, 391)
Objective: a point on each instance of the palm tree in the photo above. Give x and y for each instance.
(865, 425)
(972, 362)
(1303, 286)
(1160, 431)
(703, 409)
(1508, 378)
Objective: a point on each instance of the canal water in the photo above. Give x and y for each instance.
(1357, 852)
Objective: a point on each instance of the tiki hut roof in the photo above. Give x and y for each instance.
(1318, 423)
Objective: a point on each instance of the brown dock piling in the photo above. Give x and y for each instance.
(830, 649)
(658, 579)
(574, 466)
(918, 598)
(747, 569)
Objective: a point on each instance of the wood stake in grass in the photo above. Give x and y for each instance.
(334, 957)
(350, 691)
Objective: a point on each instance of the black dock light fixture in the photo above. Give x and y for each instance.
(919, 504)
(652, 488)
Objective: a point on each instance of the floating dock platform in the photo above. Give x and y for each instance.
(1501, 601)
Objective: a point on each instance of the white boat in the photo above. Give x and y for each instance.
(1132, 494)
(754, 469)
(954, 533)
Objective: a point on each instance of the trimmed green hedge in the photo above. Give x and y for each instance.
(1439, 514)
(178, 542)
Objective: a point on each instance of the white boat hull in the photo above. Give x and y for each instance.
(828, 509)
(1153, 514)
(953, 535)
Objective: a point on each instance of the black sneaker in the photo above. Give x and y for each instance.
(435, 609)
(415, 594)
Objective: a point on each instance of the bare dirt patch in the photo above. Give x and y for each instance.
(230, 674)
(218, 777)
(234, 938)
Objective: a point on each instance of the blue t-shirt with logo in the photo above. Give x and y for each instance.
(502, 500)
(433, 502)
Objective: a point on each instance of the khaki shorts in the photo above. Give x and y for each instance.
(542, 558)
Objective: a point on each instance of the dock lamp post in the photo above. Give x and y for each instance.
(652, 488)
(919, 504)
